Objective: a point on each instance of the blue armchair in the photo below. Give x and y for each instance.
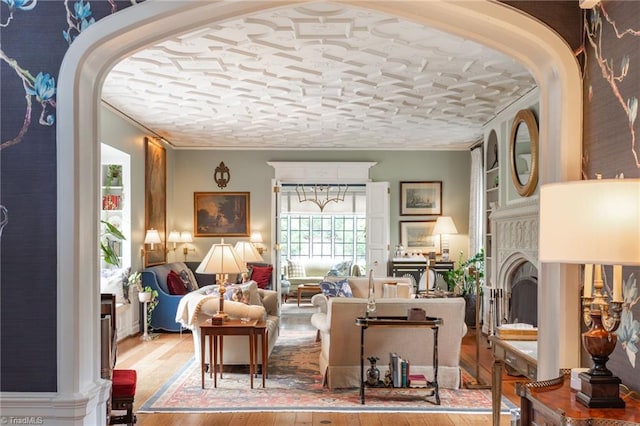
(164, 315)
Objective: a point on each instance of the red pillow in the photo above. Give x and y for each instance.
(261, 275)
(175, 284)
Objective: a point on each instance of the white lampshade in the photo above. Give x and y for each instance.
(186, 237)
(248, 252)
(174, 237)
(152, 237)
(444, 226)
(221, 259)
(590, 222)
(256, 237)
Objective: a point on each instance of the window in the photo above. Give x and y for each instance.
(323, 236)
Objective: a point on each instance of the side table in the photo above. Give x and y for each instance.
(430, 322)
(307, 288)
(232, 327)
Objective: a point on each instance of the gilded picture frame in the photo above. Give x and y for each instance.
(155, 198)
(417, 236)
(221, 214)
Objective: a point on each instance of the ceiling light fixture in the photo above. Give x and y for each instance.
(321, 195)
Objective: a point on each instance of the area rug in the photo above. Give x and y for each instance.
(294, 384)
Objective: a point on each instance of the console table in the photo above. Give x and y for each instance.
(430, 322)
(553, 402)
(399, 266)
(521, 355)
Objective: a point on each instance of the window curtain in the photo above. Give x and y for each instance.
(476, 194)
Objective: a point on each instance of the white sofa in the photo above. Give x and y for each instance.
(340, 337)
(312, 271)
(201, 304)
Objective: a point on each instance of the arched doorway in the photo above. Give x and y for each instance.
(91, 57)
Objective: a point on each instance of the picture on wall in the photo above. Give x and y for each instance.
(221, 214)
(155, 198)
(421, 198)
(417, 236)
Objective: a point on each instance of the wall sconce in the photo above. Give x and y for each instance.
(256, 240)
(185, 237)
(174, 237)
(444, 227)
(152, 238)
(594, 222)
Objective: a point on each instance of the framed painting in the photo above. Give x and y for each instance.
(155, 198)
(417, 236)
(221, 214)
(421, 198)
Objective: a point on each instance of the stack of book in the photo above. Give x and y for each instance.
(401, 373)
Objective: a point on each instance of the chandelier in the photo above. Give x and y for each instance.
(321, 195)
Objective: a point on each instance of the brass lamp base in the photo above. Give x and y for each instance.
(600, 391)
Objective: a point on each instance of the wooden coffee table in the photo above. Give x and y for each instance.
(308, 288)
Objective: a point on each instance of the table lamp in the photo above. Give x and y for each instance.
(221, 260)
(248, 253)
(594, 222)
(444, 227)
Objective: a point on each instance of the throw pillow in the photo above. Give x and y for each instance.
(186, 280)
(295, 268)
(261, 275)
(175, 284)
(343, 268)
(248, 291)
(336, 289)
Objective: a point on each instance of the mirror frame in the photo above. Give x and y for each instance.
(526, 117)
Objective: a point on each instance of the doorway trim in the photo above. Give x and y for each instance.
(81, 395)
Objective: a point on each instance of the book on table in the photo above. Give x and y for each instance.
(417, 381)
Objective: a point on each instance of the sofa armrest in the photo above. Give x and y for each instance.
(320, 301)
(319, 321)
(269, 300)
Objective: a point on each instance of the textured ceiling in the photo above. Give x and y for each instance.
(320, 75)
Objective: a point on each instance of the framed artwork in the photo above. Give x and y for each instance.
(221, 214)
(417, 236)
(155, 197)
(421, 198)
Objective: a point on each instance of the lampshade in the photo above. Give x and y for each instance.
(444, 225)
(174, 237)
(186, 237)
(152, 237)
(248, 252)
(256, 237)
(590, 222)
(221, 259)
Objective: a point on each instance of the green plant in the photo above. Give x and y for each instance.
(114, 173)
(151, 305)
(459, 280)
(109, 237)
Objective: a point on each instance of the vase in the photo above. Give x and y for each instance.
(373, 374)
(144, 297)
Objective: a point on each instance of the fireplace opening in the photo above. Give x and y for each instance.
(523, 299)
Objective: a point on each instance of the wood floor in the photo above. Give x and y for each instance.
(158, 360)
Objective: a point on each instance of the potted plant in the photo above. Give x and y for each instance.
(109, 238)
(114, 175)
(462, 282)
(130, 281)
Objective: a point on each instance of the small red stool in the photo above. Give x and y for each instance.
(123, 392)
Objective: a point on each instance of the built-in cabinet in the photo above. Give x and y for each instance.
(491, 190)
(115, 208)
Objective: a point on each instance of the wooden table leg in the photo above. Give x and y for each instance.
(299, 294)
(265, 362)
(214, 361)
(221, 354)
(202, 343)
(252, 350)
(496, 391)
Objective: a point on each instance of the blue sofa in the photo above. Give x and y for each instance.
(164, 315)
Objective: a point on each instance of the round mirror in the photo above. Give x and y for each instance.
(523, 152)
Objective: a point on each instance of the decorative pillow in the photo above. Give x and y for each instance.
(343, 268)
(336, 289)
(186, 280)
(111, 282)
(248, 293)
(261, 275)
(296, 268)
(175, 284)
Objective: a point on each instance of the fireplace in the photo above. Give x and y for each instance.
(513, 279)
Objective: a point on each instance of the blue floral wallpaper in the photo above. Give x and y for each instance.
(35, 36)
(611, 59)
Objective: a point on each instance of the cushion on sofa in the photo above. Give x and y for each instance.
(336, 288)
(261, 275)
(249, 292)
(175, 284)
(295, 268)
